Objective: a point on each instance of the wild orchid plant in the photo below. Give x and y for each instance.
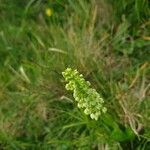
(86, 97)
(93, 104)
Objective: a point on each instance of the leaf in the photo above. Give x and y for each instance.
(73, 125)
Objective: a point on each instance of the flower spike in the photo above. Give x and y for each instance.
(86, 97)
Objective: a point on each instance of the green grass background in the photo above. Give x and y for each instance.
(108, 41)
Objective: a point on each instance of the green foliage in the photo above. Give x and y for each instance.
(133, 18)
(126, 42)
(107, 41)
(135, 10)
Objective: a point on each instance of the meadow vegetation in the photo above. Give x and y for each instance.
(108, 41)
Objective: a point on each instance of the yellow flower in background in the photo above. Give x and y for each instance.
(48, 12)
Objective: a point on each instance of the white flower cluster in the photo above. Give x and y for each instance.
(86, 97)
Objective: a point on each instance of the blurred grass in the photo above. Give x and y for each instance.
(105, 41)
